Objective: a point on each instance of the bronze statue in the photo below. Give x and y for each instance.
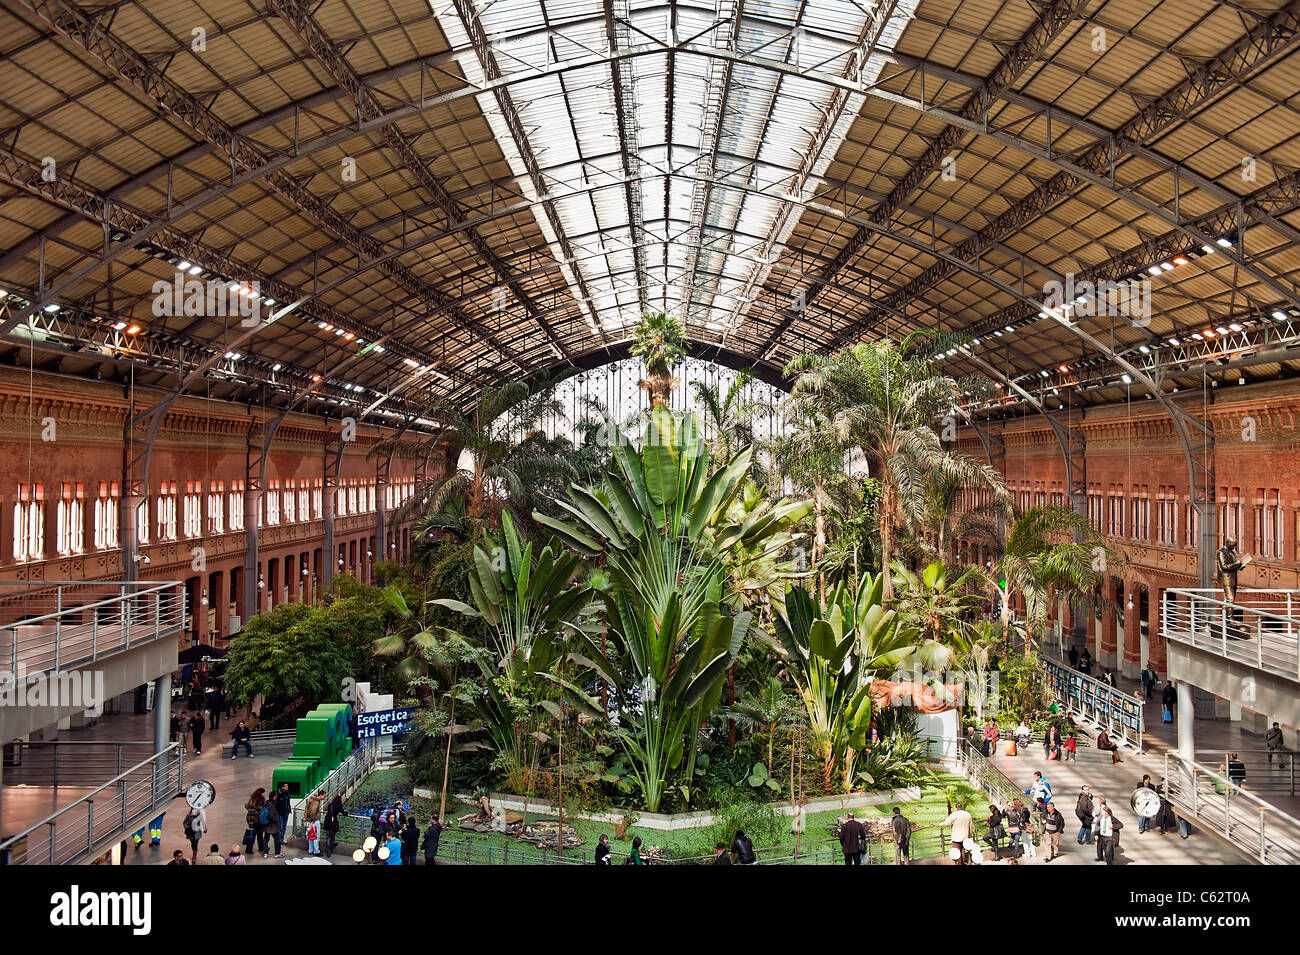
(1229, 562)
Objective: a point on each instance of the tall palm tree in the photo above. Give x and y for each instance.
(942, 511)
(1050, 548)
(727, 417)
(886, 399)
(505, 468)
(660, 342)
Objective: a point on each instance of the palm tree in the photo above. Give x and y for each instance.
(728, 418)
(885, 399)
(809, 459)
(1050, 547)
(506, 466)
(942, 512)
(660, 342)
(764, 710)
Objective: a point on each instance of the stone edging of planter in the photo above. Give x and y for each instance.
(689, 820)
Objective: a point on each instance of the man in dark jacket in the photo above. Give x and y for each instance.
(902, 837)
(1083, 809)
(196, 731)
(216, 703)
(743, 849)
(1169, 697)
(720, 854)
(1053, 826)
(285, 809)
(1276, 744)
(241, 734)
(271, 828)
(410, 841)
(853, 841)
(1144, 822)
(431, 837)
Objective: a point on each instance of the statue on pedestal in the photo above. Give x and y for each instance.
(1228, 563)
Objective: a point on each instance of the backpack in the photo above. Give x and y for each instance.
(264, 816)
(189, 827)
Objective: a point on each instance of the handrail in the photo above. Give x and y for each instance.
(1258, 827)
(1261, 635)
(108, 601)
(156, 782)
(1096, 700)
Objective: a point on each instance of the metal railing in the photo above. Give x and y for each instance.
(1261, 629)
(71, 763)
(45, 627)
(1267, 771)
(980, 770)
(101, 817)
(1096, 700)
(1213, 801)
(342, 782)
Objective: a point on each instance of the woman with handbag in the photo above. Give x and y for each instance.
(996, 831)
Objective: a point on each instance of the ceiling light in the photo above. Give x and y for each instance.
(1208, 333)
(1144, 350)
(1127, 379)
(133, 330)
(349, 336)
(1241, 379)
(195, 269)
(119, 326)
(1044, 372)
(1207, 248)
(315, 377)
(233, 355)
(380, 349)
(338, 331)
(1224, 243)
(184, 266)
(277, 366)
(52, 307)
(3, 293)
(1009, 328)
(1180, 260)
(411, 362)
(1064, 368)
(1280, 315)
(1198, 336)
(997, 334)
(270, 301)
(1175, 341)
(1221, 330)
(1167, 266)
(1153, 269)
(1235, 326)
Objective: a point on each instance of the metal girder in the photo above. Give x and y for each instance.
(616, 34)
(333, 461)
(297, 15)
(872, 31)
(257, 449)
(715, 110)
(1053, 17)
(468, 14)
(86, 34)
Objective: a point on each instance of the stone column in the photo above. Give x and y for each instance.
(1130, 661)
(162, 711)
(1155, 638)
(1108, 647)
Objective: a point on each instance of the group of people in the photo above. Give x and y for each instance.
(397, 831)
(853, 838)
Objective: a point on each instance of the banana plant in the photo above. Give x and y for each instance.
(524, 599)
(660, 520)
(832, 654)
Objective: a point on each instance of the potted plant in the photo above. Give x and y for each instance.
(660, 342)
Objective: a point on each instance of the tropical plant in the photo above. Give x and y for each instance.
(936, 608)
(503, 470)
(661, 523)
(659, 341)
(832, 655)
(885, 399)
(764, 711)
(728, 417)
(1050, 548)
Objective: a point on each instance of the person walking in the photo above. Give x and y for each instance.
(214, 856)
(270, 829)
(902, 827)
(196, 732)
(962, 825)
(634, 857)
(235, 857)
(215, 703)
(1040, 790)
(1149, 679)
(332, 824)
(741, 848)
(410, 841)
(1108, 828)
(431, 837)
(253, 819)
(1021, 823)
(1169, 698)
(853, 841)
(1053, 826)
(241, 734)
(178, 726)
(1144, 822)
(194, 825)
(996, 831)
(311, 815)
(1276, 744)
(1083, 809)
(1085, 662)
(602, 850)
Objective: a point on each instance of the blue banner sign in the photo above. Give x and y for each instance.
(395, 723)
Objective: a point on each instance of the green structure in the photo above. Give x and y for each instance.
(322, 741)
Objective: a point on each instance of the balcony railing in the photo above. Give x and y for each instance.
(1260, 630)
(101, 817)
(58, 626)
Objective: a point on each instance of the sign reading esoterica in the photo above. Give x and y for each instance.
(395, 723)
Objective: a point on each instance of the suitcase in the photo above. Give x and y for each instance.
(1166, 716)
(1009, 747)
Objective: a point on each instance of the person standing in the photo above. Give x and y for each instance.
(196, 732)
(1144, 822)
(253, 818)
(410, 841)
(1169, 698)
(216, 703)
(853, 841)
(394, 847)
(996, 831)
(1276, 744)
(1085, 662)
(1148, 682)
(285, 811)
(602, 850)
(194, 825)
(271, 828)
(902, 827)
(431, 837)
(1108, 834)
(1069, 748)
(178, 726)
(1053, 826)
(990, 737)
(1099, 809)
(962, 825)
(332, 824)
(311, 820)
(634, 857)
(741, 848)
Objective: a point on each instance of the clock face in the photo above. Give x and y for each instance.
(1146, 802)
(200, 794)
